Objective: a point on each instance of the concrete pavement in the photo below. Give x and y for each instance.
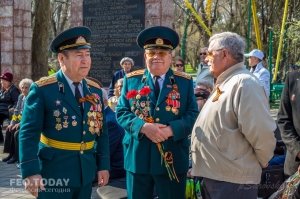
(11, 186)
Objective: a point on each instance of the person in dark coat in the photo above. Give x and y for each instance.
(288, 119)
(9, 94)
(11, 145)
(126, 63)
(115, 135)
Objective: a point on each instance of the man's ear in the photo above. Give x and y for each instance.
(60, 58)
(225, 53)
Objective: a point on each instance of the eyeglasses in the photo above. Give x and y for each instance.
(179, 65)
(161, 53)
(210, 53)
(202, 54)
(202, 94)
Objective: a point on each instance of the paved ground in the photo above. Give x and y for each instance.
(10, 181)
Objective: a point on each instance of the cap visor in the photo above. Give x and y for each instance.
(79, 47)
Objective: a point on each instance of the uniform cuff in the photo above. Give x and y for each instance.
(135, 128)
(102, 163)
(30, 168)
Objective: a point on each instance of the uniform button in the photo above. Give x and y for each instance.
(84, 132)
(157, 109)
(157, 120)
(83, 122)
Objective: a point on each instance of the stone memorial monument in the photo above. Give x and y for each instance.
(115, 25)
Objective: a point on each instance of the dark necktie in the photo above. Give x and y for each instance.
(156, 86)
(78, 95)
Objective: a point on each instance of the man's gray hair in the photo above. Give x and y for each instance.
(233, 42)
(26, 82)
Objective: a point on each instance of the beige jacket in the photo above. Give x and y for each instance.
(233, 137)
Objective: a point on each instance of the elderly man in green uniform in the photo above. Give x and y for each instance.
(157, 109)
(63, 138)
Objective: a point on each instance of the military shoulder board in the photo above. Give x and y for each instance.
(135, 73)
(46, 80)
(181, 74)
(93, 83)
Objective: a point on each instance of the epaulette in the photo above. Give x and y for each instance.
(93, 83)
(46, 80)
(182, 74)
(135, 73)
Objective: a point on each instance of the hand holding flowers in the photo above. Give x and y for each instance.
(156, 132)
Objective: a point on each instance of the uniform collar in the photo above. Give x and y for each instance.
(161, 76)
(70, 82)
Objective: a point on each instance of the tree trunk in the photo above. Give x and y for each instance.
(40, 39)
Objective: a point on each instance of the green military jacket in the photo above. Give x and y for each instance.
(51, 109)
(174, 107)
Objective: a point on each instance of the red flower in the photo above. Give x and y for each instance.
(131, 94)
(145, 91)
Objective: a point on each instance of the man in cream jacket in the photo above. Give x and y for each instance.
(232, 139)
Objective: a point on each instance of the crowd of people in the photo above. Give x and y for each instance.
(139, 129)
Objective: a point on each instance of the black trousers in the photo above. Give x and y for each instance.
(2, 118)
(214, 189)
(11, 143)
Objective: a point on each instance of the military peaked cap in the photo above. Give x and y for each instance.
(73, 38)
(158, 37)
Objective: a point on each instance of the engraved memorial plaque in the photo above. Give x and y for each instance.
(115, 25)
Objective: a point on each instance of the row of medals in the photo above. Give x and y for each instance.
(173, 103)
(95, 119)
(141, 109)
(59, 120)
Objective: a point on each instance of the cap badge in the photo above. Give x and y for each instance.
(159, 41)
(80, 40)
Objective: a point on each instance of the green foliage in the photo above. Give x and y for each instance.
(232, 15)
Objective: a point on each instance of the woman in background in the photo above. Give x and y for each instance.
(179, 64)
(8, 98)
(12, 131)
(126, 64)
